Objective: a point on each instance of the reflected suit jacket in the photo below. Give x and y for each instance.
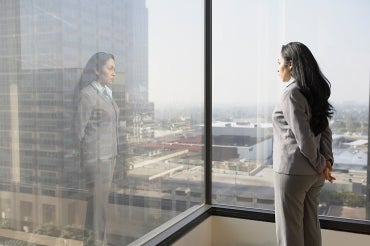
(96, 126)
(296, 150)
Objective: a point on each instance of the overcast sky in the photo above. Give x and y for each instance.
(247, 37)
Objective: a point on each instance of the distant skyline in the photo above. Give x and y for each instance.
(247, 36)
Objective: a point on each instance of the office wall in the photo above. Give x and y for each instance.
(219, 231)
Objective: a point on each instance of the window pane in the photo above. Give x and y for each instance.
(247, 38)
(91, 142)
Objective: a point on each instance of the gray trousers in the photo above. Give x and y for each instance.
(296, 204)
(98, 180)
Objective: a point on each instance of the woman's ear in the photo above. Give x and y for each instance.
(290, 65)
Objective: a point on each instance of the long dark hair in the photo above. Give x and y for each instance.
(95, 63)
(312, 83)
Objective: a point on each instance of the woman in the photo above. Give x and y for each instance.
(96, 127)
(302, 147)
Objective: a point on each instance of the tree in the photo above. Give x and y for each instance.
(75, 232)
(48, 229)
(342, 198)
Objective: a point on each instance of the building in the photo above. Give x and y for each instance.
(241, 140)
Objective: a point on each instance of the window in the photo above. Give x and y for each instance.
(158, 47)
(158, 173)
(247, 38)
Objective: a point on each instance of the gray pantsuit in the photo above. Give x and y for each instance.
(98, 182)
(96, 127)
(298, 200)
(299, 159)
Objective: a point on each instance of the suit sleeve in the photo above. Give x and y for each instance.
(295, 110)
(326, 141)
(84, 110)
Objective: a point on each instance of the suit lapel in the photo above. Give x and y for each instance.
(110, 101)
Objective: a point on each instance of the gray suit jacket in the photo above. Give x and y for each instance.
(295, 149)
(96, 126)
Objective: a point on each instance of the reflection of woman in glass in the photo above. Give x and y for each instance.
(96, 122)
(302, 148)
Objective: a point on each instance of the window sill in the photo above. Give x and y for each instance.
(178, 227)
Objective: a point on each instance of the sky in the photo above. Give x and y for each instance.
(247, 37)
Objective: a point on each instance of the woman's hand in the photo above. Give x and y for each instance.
(327, 172)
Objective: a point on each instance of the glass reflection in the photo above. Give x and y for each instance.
(96, 129)
(44, 189)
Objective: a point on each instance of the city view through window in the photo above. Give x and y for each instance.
(247, 39)
(158, 90)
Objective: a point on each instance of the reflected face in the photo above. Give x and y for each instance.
(106, 75)
(284, 69)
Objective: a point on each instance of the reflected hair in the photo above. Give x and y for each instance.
(312, 83)
(95, 63)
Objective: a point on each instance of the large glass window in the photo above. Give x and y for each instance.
(111, 160)
(247, 38)
(69, 163)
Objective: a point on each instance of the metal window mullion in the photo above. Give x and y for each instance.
(367, 193)
(208, 100)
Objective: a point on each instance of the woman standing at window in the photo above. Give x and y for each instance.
(302, 150)
(96, 127)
